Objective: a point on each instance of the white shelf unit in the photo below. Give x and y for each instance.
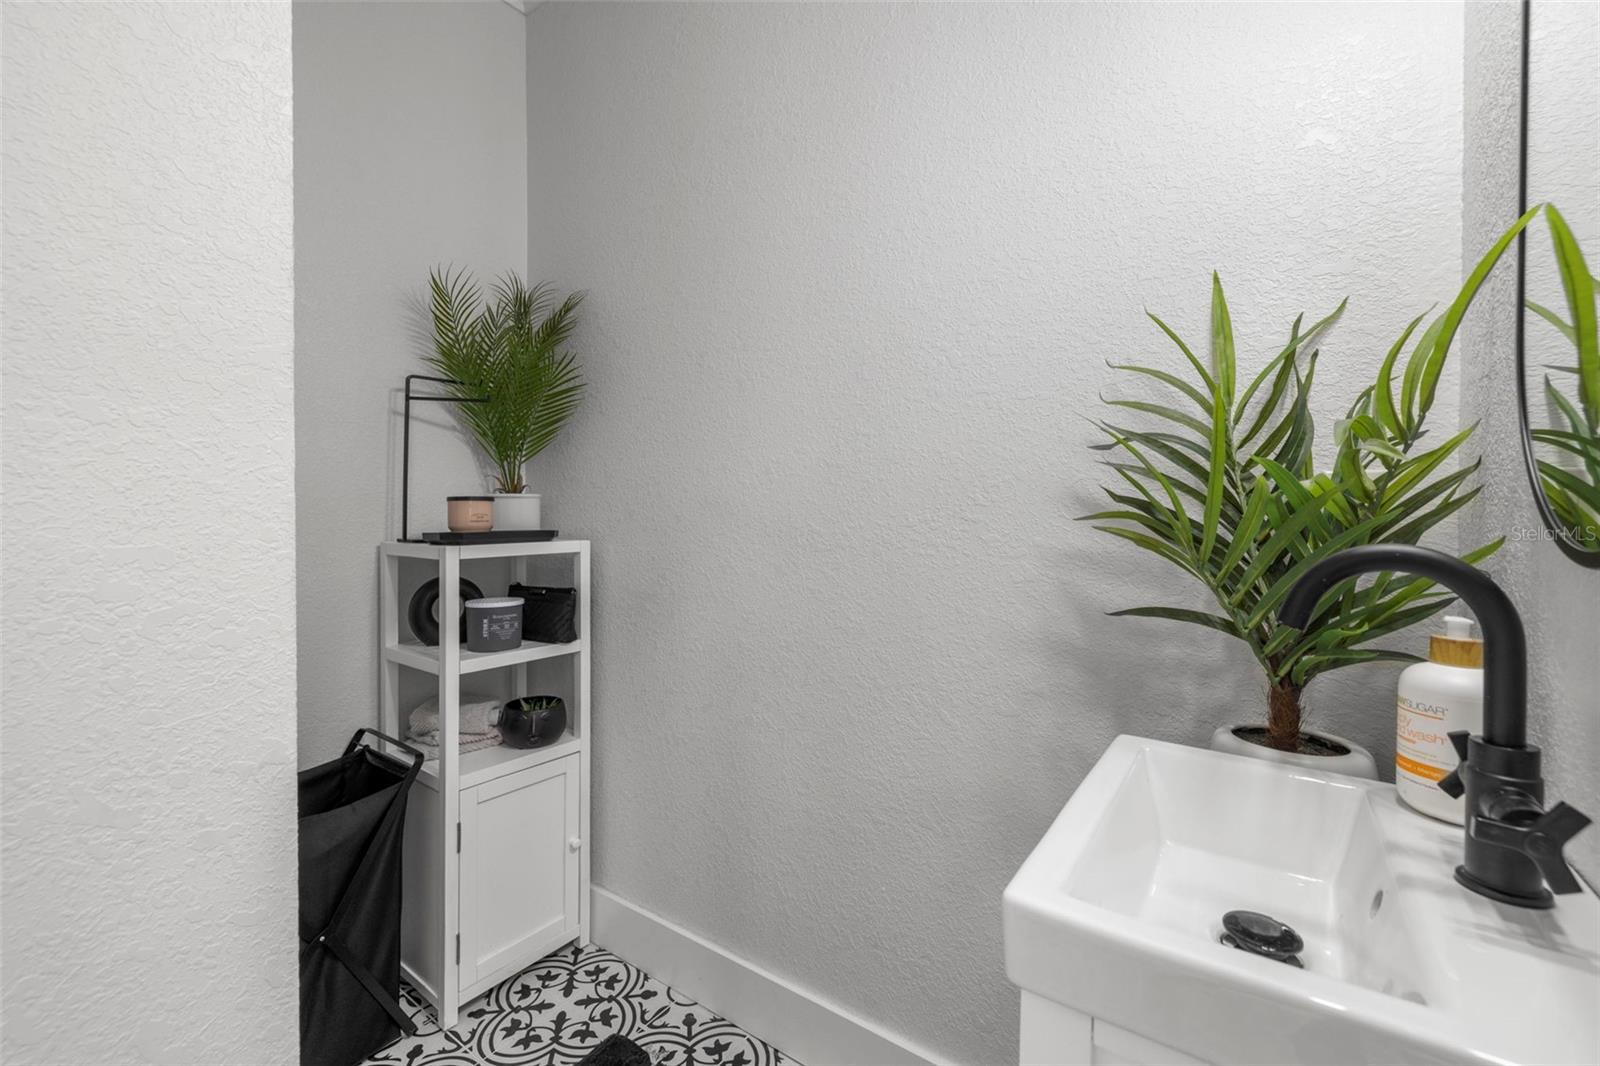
(496, 840)
(430, 658)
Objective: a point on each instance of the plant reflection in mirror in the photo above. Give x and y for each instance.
(1569, 468)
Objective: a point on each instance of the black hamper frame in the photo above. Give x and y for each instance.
(352, 824)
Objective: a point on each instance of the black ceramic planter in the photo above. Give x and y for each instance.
(532, 721)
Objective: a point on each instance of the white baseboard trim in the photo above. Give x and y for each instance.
(793, 1020)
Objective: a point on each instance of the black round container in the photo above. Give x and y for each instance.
(423, 614)
(494, 624)
(532, 721)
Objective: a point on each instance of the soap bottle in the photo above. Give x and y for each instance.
(1437, 698)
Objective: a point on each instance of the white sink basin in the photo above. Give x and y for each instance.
(1118, 911)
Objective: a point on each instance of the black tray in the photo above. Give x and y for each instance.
(493, 536)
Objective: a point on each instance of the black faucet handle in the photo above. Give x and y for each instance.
(1451, 784)
(1542, 841)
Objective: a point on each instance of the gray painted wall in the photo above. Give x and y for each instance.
(148, 628)
(855, 271)
(410, 151)
(1559, 600)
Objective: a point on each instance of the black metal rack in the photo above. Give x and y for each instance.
(405, 450)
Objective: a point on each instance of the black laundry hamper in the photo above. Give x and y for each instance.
(352, 822)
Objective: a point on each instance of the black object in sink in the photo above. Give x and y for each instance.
(1261, 934)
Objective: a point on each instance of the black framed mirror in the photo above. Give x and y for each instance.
(1558, 352)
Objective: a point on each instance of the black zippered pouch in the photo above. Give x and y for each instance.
(549, 615)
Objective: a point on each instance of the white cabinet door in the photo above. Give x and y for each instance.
(519, 870)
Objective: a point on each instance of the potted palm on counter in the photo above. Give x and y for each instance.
(1223, 486)
(508, 350)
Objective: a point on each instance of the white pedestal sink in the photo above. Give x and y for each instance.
(1112, 927)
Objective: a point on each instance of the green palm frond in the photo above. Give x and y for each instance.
(1223, 485)
(510, 349)
(1569, 466)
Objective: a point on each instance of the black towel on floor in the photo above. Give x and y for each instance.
(616, 1050)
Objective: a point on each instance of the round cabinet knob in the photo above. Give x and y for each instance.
(575, 843)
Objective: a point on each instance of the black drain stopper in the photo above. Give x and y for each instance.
(1261, 934)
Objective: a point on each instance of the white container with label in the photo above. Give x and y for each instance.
(1437, 698)
(494, 623)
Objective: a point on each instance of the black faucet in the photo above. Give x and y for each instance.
(1513, 845)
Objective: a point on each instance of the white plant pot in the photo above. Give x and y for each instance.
(516, 510)
(1356, 761)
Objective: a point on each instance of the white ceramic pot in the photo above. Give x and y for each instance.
(1354, 761)
(516, 510)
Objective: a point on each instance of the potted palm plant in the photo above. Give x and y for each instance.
(1224, 487)
(507, 349)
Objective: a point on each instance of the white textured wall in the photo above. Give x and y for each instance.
(1558, 599)
(148, 625)
(855, 271)
(410, 151)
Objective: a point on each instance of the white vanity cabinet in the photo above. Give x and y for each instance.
(1053, 1035)
(520, 845)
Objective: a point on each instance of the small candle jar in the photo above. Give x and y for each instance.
(470, 514)
(494, 624)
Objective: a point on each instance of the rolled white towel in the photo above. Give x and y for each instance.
(476, 713)
(464, 744)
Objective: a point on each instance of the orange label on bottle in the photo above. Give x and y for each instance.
(1412, 766)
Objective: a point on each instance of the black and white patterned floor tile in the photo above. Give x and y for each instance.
(554, 1012)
